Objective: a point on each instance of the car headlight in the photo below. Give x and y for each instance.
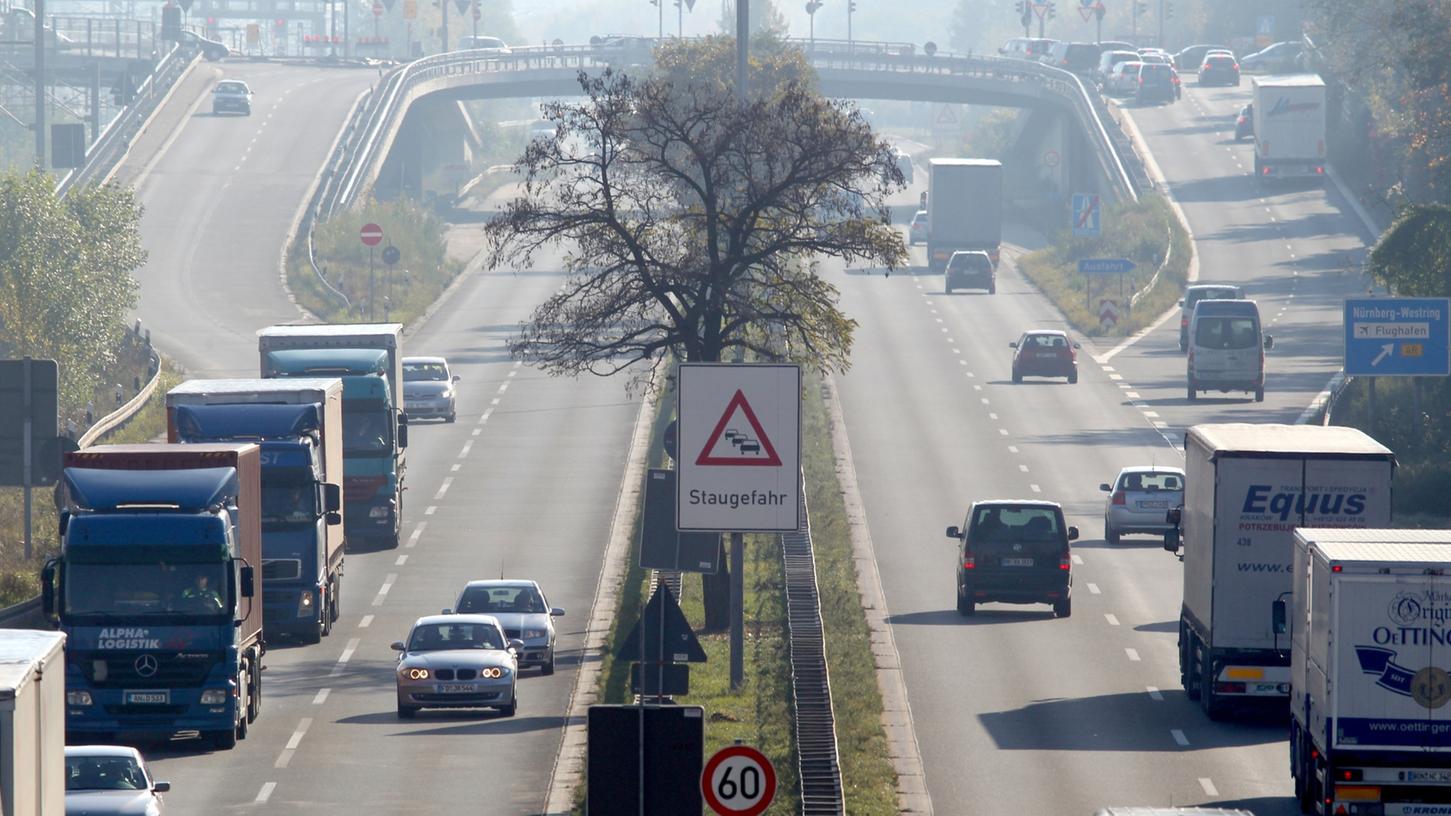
(493, 673)
(534, 633)
(447, 394)
(304, 603)
(78, 698)
(214, 696)
(414, 673)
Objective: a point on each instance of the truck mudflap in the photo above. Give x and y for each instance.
(1252, 681)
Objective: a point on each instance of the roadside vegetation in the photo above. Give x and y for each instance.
(401, 293)
(1146, 233)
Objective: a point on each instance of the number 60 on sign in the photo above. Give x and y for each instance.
(738, 781)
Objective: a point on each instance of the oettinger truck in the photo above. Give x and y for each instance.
(1289, 122)
(369, 359)
(299, 425)
(157, 590)
(964, 208)
(32, 722)
(1370, 635)
(1247, 487)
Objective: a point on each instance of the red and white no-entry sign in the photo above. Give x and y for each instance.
(738, 781)
(371, 235)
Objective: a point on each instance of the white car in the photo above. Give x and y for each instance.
(457, 661)
(520, 607)
(491, 45)
(428, 389)
(101, 780)
(1140, 499)
(1124, 79)
(917, 232)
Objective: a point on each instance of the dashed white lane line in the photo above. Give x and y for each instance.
(1151, 414)
(1208, 786)
(1112, 621)
(992, 416)
(961, 361)
(1093, 589)
(402, 559)
(286, 756)
(513, 373)
(453, 468)
(975, 386)
(1179, 738)
(321, 696)
(477, 431)
(417, 533)
(1154, 693)
(1012, 449)
(443, 488)
(1003, 431)
(1035, 488)
(1133, 655)
(984, 401)
(365, 622)
(345, 657)
(266, 793)
(1133, 395)
(1077, 559)
(1023, 468)
(464, 451)
(430, 510)
(484, 417)
(494, 401)
(383, 590)
(503, 386)
(1115, 377)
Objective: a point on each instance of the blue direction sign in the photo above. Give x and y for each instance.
(1105, 266)
(1397, 337)
(1087, 216)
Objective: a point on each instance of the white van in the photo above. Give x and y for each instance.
(1227, 348)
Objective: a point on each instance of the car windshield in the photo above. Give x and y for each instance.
(415, 372)
(488, 600)
(231, 87)
(182, 590)
(1045, 342)
(104, 773)
(433, 637)
(1151, 481)
(1225, 333)
(365, 431)
(1027, 530)
(288, 500)
(1154, 70)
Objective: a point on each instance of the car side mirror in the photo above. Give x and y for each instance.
(445, 611)
(953, 532)
(1077, 345)
(249, 581)
(1279, 616)
(516, 645)
(1171, 541)
(47, 588)
(161, 787)
(456, 378)
(1013, 344)
(63, 522)
(1072, 533)
(556, 612)
(333, 519)
(332, 498)
(402, 430)
(1106, 487)
(396, 646)
(1269, 342)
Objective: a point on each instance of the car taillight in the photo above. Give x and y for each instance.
(1204, 67)
(1265, 171)
(1183, 322)
(1065, 563)
(1319, 171)
(1119, 500)
(969, 561)
(1236, 66)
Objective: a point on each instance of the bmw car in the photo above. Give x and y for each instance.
(457, 661)
(110, 780)
(519, 606)
(428, 389)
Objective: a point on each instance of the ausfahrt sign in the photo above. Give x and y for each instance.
(740, 448)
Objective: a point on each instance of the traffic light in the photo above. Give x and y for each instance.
(813, 6)
(850, 6)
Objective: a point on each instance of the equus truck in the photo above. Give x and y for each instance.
(964, 208)
(299, 424)
(1247, 487)
(32, 722)
(1370, 634)
(1289, 122)
(157, 591)
(369, 359)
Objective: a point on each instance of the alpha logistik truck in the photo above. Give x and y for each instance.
(1247, 487)
(299, 424)
(1289, 123)
(369, 359)
(157, 591)
(1370, 633)
(32, 722)
(964, 208)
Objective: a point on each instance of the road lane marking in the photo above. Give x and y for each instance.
(345, 656)
(453, 468)
(477, 431)
(1154, 693)
(1035, 488)
(443, 488)
(992, 416)
(430, 510)
(484, 417)
(464, 451)
(1133, 395)
(1093, 589)
(1023, 468)
(494, 401)
(402, 559)
(417, 532)
(1077, 559)
(383, 590)
(1003, 431)
(1115, 377)
(1179, 738)
(1133, 655)
(266, 793)
(503, 386)
(1208, 786)
(1109, 368)
(296, 739)
(1112, 621)
(975, 386)
(1012, 449)
(1151, 414)
(365, 622)
(961, 361)
(321, 696)
(984, 400)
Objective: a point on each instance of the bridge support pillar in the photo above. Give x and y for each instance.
(433, 154)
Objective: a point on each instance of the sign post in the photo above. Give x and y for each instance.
(738, 781)
(371, 235)
(1102, 266)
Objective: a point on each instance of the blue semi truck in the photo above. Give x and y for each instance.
(157, 591)
(369, 360)
(299, 424)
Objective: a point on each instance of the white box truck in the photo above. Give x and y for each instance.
(1289, 123)
(964, 208)
(32, 723)
(1370, 628)
(1247, 487)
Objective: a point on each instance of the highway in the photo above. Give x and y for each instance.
(1016, 711)
(523, 485)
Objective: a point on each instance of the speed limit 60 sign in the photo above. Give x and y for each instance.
(738, 781)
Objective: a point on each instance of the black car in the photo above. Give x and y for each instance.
(1219, 69)
(1080, 58)
(1014, 551)
(971, 269)
(1244, 123)
(212, 50)
(1156, 84)
(1044, 353)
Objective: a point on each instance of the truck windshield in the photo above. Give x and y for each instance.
(367, 430)
(289, 499)
(159, 589)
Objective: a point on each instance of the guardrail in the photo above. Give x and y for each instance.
(105, 37)
(119, 417)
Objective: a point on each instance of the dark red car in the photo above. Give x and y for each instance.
(1219, 69)
(1044, 353)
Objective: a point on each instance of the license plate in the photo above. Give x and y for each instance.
(455, 688)
(1017, 562)
(1440, 777)
(1047, 355)
(1153, 504)
(148, 697)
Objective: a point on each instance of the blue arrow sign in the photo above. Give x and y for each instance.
(1105, 266)
(1398, 337)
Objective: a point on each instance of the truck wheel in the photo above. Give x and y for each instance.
(224, 740)
(965, 606)
(1260, 394)
(1063, 608)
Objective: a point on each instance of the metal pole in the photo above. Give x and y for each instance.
(332, 34)
(813, 30)
(371, 278)
(26, 430)
(743, 45)
(850, 47)
(39, 97)
(1161, 23)
(95, 101)
(347, 17)
(679, 18)
(476, 15)
(738, 610)
(445, 3)
(660, 6)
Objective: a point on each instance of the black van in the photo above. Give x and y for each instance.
(1014, 551)
(1080, 58)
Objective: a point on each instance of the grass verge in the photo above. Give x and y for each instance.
(400, 293)
(1409, 418)
(1143, 232)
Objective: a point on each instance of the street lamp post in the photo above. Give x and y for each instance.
(811, 8)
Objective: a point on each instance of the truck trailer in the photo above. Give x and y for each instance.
(369, 359)
(1289, 123)
(157, 591)
(1370, 634)
(1247, 487)
(32, 723)
(299, 425)
(964, 208)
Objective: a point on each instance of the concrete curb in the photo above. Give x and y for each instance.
(569, 764)
(902, 746)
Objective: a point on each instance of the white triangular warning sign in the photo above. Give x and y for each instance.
(739, 439)
(946, 115)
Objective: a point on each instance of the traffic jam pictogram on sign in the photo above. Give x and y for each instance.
(738, 781)
(739, 439)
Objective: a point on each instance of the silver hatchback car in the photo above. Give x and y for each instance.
(1139, 501)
